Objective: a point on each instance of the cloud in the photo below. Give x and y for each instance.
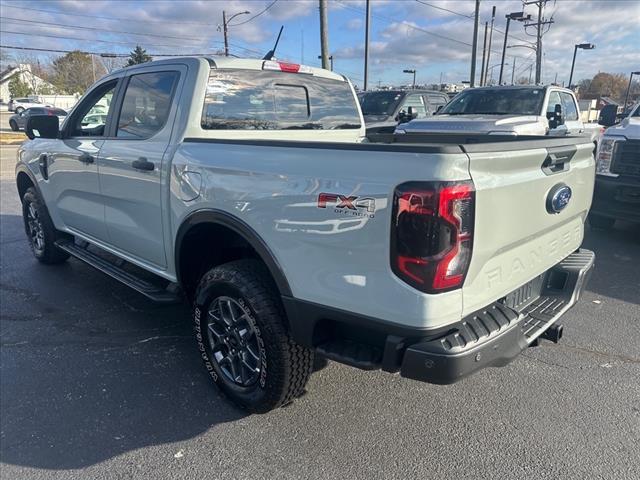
(354, 24)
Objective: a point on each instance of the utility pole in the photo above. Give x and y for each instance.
(474, 47)
(330, 60)
(224, 33)
(493, 17)
(539, 26)
(324, 35)
(366, 46)
(484, 52)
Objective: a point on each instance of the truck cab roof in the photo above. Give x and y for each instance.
(240, 64)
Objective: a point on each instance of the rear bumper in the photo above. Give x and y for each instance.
(495, 335)
(617, 197)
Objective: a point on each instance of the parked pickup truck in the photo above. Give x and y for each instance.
(387, 108)
(508, 110)
(245, 187)
(617, 190)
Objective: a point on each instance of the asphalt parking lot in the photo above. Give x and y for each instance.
(97, 382)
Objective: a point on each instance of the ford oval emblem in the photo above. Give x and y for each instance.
(558, 198)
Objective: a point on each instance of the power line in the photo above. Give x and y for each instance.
(445, 9)
(107, 54)
(408, 25)
(469, 17)
(119, 19)
(99, 29)
(255, 16)
(112, 42)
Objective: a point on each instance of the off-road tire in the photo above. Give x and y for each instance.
(601, 222)
(13, 125)
(47, 253)
(284, 366)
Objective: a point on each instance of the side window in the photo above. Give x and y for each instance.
(82, 124)
(554, 99)
(146, 104)
(417, 103)
(568, 106)
(36, 111)
(436, 101)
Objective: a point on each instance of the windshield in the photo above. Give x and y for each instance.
(499, 101)
(268, 100)
(380, 103)
(636, 112)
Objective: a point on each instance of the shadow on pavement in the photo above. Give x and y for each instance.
(617, 272)
(90, 369)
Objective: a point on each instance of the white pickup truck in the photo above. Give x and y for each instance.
(508, 110)
(617, 189)
(245, 187)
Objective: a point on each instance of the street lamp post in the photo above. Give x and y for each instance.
(414, 76)
(626, 97)
(520, 17)
(491, 69)
(225, 23)
(583, 46)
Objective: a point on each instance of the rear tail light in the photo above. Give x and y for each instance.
(432, 234)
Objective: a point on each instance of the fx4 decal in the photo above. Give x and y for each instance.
(348, 205)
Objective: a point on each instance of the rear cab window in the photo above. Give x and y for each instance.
(268, 100)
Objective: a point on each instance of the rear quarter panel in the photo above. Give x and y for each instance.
(330, 256)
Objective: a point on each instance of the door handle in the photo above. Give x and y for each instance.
(143, 164)
(86, 158)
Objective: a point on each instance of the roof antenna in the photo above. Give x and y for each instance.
(272, 52)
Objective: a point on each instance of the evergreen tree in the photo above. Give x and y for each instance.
(139, 55)
(18, 88)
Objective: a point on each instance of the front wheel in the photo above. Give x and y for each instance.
(601, 222)
(242, 338)
(40, 230)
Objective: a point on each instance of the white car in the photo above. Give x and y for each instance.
(19, 105)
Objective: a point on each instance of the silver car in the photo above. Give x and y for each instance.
(19, 105)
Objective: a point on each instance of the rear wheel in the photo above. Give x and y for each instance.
(599, 221)
(13, 125)
(242, 338)
(40, 230)
(19, 110)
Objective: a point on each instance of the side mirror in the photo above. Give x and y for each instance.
(608, 115)
(555, 117)
(42, 126)
(412, 113)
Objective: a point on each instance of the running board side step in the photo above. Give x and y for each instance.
(116, 271)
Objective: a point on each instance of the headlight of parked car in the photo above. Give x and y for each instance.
(605, 155)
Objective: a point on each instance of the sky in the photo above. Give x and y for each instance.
(431, 36)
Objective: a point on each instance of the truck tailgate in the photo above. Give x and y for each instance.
(518, 235)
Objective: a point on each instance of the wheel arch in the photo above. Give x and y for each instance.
(219, 218)
(24, 180)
